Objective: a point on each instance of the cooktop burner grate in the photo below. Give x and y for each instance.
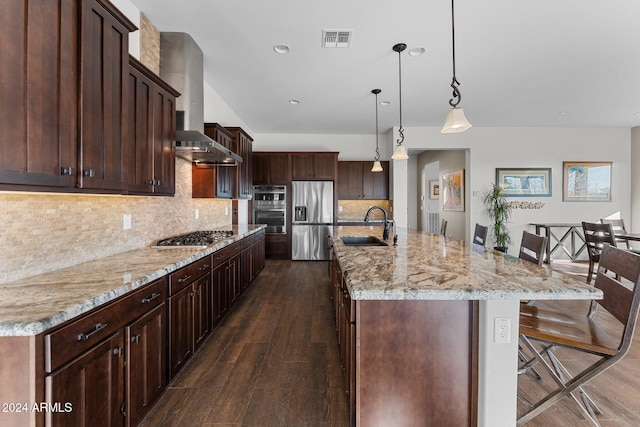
(195, 239)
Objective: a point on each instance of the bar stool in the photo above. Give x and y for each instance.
(582, 332)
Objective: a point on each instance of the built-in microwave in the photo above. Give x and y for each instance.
(270, 207)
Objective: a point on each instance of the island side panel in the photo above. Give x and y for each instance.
(21, 376)
(416, 363)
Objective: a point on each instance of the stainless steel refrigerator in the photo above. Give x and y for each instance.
(312, 203)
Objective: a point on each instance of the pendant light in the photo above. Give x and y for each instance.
(377, 167)
(456, 121)
(400, 152)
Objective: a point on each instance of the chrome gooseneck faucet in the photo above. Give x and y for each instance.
(387, 221)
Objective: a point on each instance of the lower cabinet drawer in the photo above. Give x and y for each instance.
(71, 340)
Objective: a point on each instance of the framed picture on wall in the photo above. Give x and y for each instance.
(434, 189)
(453, 190)
(586, 181)
(524, 182)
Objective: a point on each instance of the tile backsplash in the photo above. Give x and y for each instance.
(42, 232)
(356, 209)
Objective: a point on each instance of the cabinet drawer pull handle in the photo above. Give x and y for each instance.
(89, 173)
(204, 267)
(184, 279)
(135, 339)
(98, 328)
(151, 298)
(151, 182)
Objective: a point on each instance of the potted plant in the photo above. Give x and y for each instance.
(499, 210)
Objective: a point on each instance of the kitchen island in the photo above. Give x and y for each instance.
(416, 327)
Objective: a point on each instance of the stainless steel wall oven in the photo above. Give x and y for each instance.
(270, 207)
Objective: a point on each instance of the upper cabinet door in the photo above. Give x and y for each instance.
(314, 165)
(39, 93)
(104, 59)
(164, 135)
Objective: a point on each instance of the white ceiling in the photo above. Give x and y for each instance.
(543, 63)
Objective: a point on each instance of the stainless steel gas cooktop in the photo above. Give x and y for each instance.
(193, 240)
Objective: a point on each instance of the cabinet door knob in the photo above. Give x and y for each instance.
(89, 173)
(67, 171)
(135, 339)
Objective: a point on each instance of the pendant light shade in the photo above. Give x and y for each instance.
(377, 167)
(455, 121)
(400, 152)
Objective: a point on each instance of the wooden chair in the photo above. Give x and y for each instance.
(443, 227)
(582, 332)
(595, 236)
(480, 235)
(532, 247)
(617, 225)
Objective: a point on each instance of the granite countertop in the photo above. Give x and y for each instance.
(33, 305)
(426, 266)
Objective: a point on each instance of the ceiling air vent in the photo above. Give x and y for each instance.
(336, 38)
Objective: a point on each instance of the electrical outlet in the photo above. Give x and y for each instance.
(502, 330)
(339, 208)
(226, 211)
(196, 213)
(126, 222)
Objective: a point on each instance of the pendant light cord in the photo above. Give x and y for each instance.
(399, 48)
(377, 158)
(457, 97)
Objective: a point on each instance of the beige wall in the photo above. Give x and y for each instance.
(43, 232)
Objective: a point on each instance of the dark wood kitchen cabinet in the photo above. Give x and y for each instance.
(243, 146)
(271, 168)
(85, 359)
(190, 305)
(209, 181)
(104, 65)
(91, 386)
(39, 94)
(149, 132)
(310, 166)
(357, 182)
(146, 367)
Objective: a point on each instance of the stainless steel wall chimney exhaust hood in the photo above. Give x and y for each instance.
(181, 67)
(198, 148)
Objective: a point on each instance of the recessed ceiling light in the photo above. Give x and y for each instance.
(417, 51)
(294, 101)
(281, 49)
(385, 102)
(563, 113)
(637, 113)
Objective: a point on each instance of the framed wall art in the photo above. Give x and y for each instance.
(434, 189)
(524, 182)
(586, 181)
(453, 190)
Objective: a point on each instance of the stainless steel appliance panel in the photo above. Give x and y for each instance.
(312, 203)
(319, 243)
(300, 242)
(270, 207)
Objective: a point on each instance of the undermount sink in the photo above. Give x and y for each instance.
(363, 241)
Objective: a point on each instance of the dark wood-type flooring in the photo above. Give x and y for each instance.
(274, 361)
